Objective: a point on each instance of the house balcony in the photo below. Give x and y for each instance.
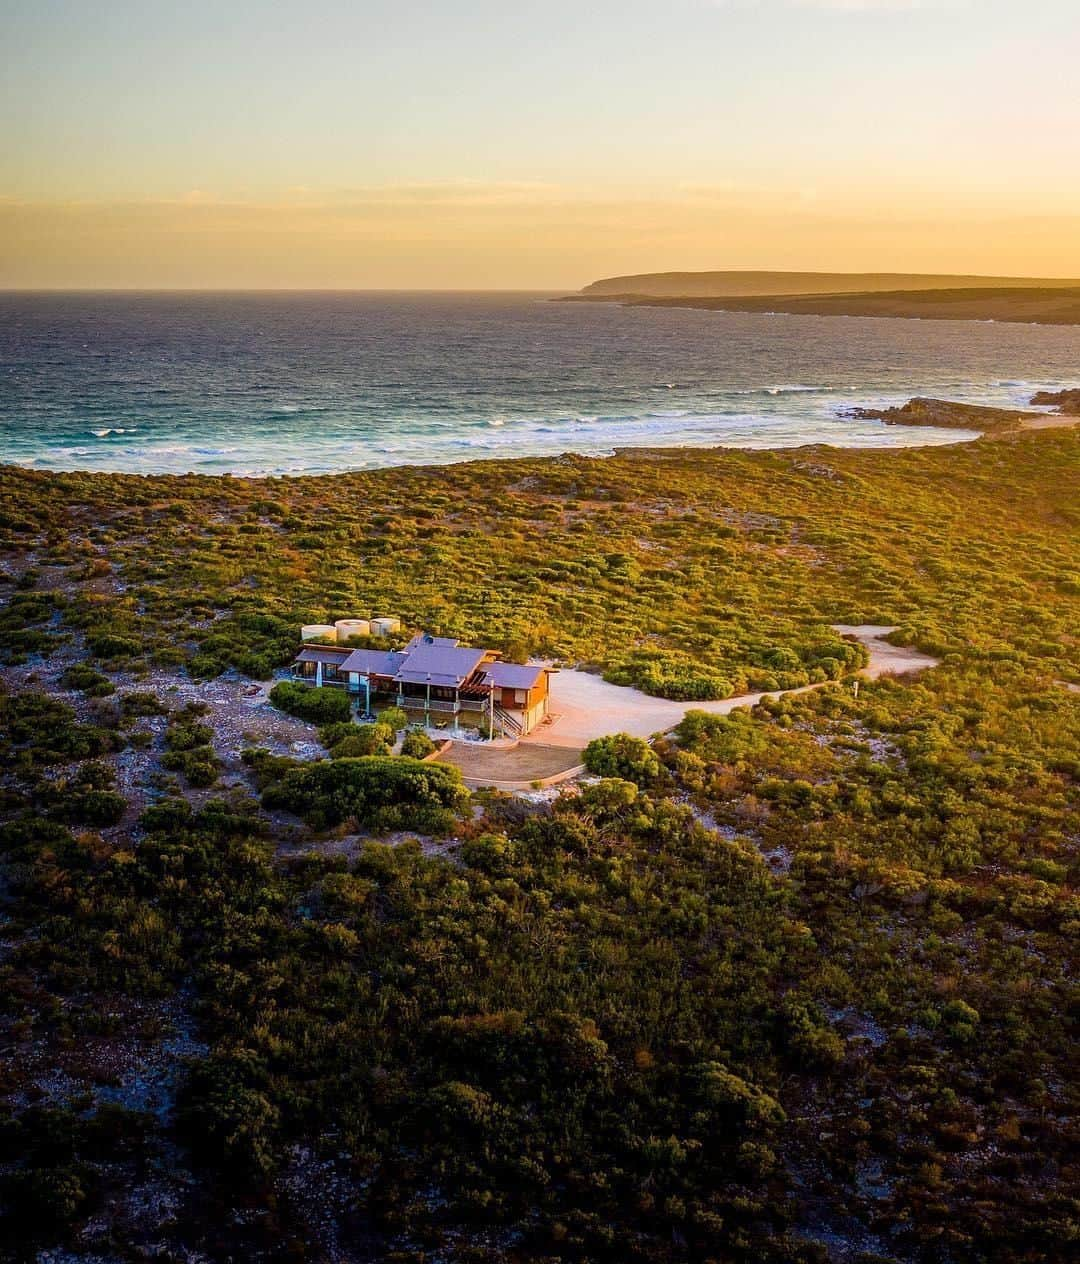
(300, 672)
(441, 706)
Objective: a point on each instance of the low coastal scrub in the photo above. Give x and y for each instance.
(791, 984)
(41, 730)
(317, 705)
(189, 749)
(84, 678)
(377, 792)
(417, 745)
(627, 758)
(350, 741)
(690, 574)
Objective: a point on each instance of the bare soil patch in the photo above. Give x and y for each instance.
(524, 763)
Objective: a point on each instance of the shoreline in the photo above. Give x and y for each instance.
(962, 423)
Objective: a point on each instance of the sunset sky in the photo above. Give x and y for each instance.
(488, 143)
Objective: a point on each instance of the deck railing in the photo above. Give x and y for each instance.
(442, 705)
(310, 679)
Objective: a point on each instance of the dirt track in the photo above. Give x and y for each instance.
(586, 706)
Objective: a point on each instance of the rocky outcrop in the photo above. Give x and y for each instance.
(1066, 402)
(945, 413)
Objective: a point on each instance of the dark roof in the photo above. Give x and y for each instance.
(374, 662)
(431, 663)
(426, 660)
(322, 654)
(513, 675)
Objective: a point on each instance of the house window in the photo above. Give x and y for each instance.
(521, 696)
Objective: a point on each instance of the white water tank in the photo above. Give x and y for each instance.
(318, 632)
(347, 628)
(384, 626)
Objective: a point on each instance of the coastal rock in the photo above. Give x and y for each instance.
(945, 413)
(1066, 402)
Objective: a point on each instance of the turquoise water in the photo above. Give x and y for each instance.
(314, 383)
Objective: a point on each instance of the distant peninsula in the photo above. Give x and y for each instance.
(1016, 299)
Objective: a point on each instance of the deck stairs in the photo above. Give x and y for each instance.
(509, 725)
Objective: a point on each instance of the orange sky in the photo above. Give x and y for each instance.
(475, 144)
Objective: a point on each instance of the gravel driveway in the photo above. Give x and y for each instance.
(585, 706)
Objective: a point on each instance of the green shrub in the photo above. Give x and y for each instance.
(416, 745)
(199, 764)
(331, 734)
(365, 739)
(112, 645)
(317, 705)
(138, 703)
(91, 682)
(185, 737)
(667, 675)
(394, 718)
(96, 808)
(622, 756)
(167, 816)
(378, 791)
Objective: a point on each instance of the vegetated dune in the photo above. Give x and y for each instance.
(339, 1003)
(1043, 304)
(744, 283)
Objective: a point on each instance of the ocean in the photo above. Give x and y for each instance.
(312, 383)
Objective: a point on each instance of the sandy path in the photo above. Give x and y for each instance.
(587, 707)
(1051, 421)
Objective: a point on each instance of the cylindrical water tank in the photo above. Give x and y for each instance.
(318, 632)
(384, 626)
(347, 628)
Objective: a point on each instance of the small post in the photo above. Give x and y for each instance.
(855, 686)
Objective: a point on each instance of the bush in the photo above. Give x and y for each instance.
(97, 808)
(185, 737)
(364, 739)
(331, 734)
(139, 703)
(377, 791)
(110, 645)
(167, 816)
(667, 675)
(394, 718)
(321, 705)
(417, 745)
(199, 764)
(93, 683)
(622, 756)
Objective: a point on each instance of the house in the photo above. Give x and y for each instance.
(437, 676)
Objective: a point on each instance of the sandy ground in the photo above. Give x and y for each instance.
(1051, 421)
(481, 764)
(586, 706)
